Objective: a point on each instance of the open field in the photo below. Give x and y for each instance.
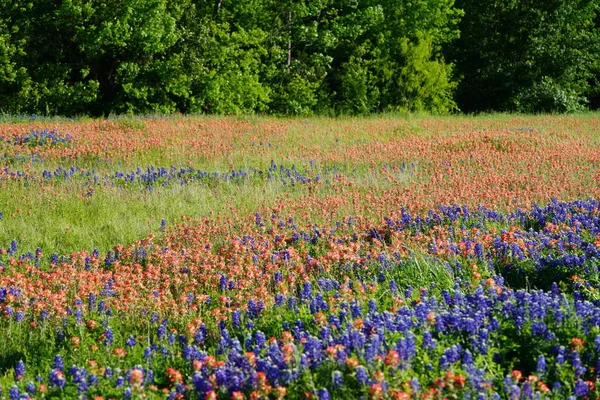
(193, 257)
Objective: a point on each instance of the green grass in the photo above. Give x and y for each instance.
(62, 219)
(69, 221)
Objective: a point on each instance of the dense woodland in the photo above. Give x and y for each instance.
(298, 57)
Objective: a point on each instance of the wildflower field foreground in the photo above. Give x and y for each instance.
(223, 258)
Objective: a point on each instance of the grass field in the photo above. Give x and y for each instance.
(382, 257)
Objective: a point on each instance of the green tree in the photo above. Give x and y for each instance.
(15, 84)
(223, 48)
(526, 55)
(99, 57)
(389, 56)
(223, 56)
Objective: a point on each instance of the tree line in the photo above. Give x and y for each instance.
(298, 57)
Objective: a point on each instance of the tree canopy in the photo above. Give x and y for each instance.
(93, 57)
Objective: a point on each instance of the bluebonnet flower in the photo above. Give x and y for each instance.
(539, 329)
(30, 388)
(147, 353)
(154, 317)
(581, 389)
(14, 394)
(19, 370)
(82, 387)
(201, 384)
(91, 302)
(108, 336)
(338, 380)
(223, 283)
(236, 318)
(19, 316)
(527, 392)
(323, 394)
(577, 364)
(597, 344)
(428, 341)
(58, 363)
(541, 365)
(78, 315)
(130, 341)
(467, 358)
(279, 299)
(355, 310)
(56, 378)
(92, 380)
(306, 292)
(260, 339)
(161, 331)
(277, 277)
(362, 375)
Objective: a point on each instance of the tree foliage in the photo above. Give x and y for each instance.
(298, 57)
(526, 55)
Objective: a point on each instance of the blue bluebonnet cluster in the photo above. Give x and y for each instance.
(480, 341)
(354, 331)
(44, 137)
(159, 176)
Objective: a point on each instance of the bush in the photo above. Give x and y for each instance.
(547, 96)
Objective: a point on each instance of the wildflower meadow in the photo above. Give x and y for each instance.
(263, 258)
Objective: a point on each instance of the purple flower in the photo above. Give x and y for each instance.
(92, 380)
(78, 315)
(161, 331)
(14, 393)
(581, 389)
(338, 380)
(236, 318)
(58, 363)
(428, 341)
(541, 365)
(56, 378)
(362, 375)
(91, 301)
(323, 394)
(577, 364)
(19, 316)
(108, 336)
(130, 341)
(154, 317)
(200, 384)
(30, 388)
(19, 370)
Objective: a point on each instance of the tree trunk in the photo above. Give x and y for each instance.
(218, 4)
(289, 47)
